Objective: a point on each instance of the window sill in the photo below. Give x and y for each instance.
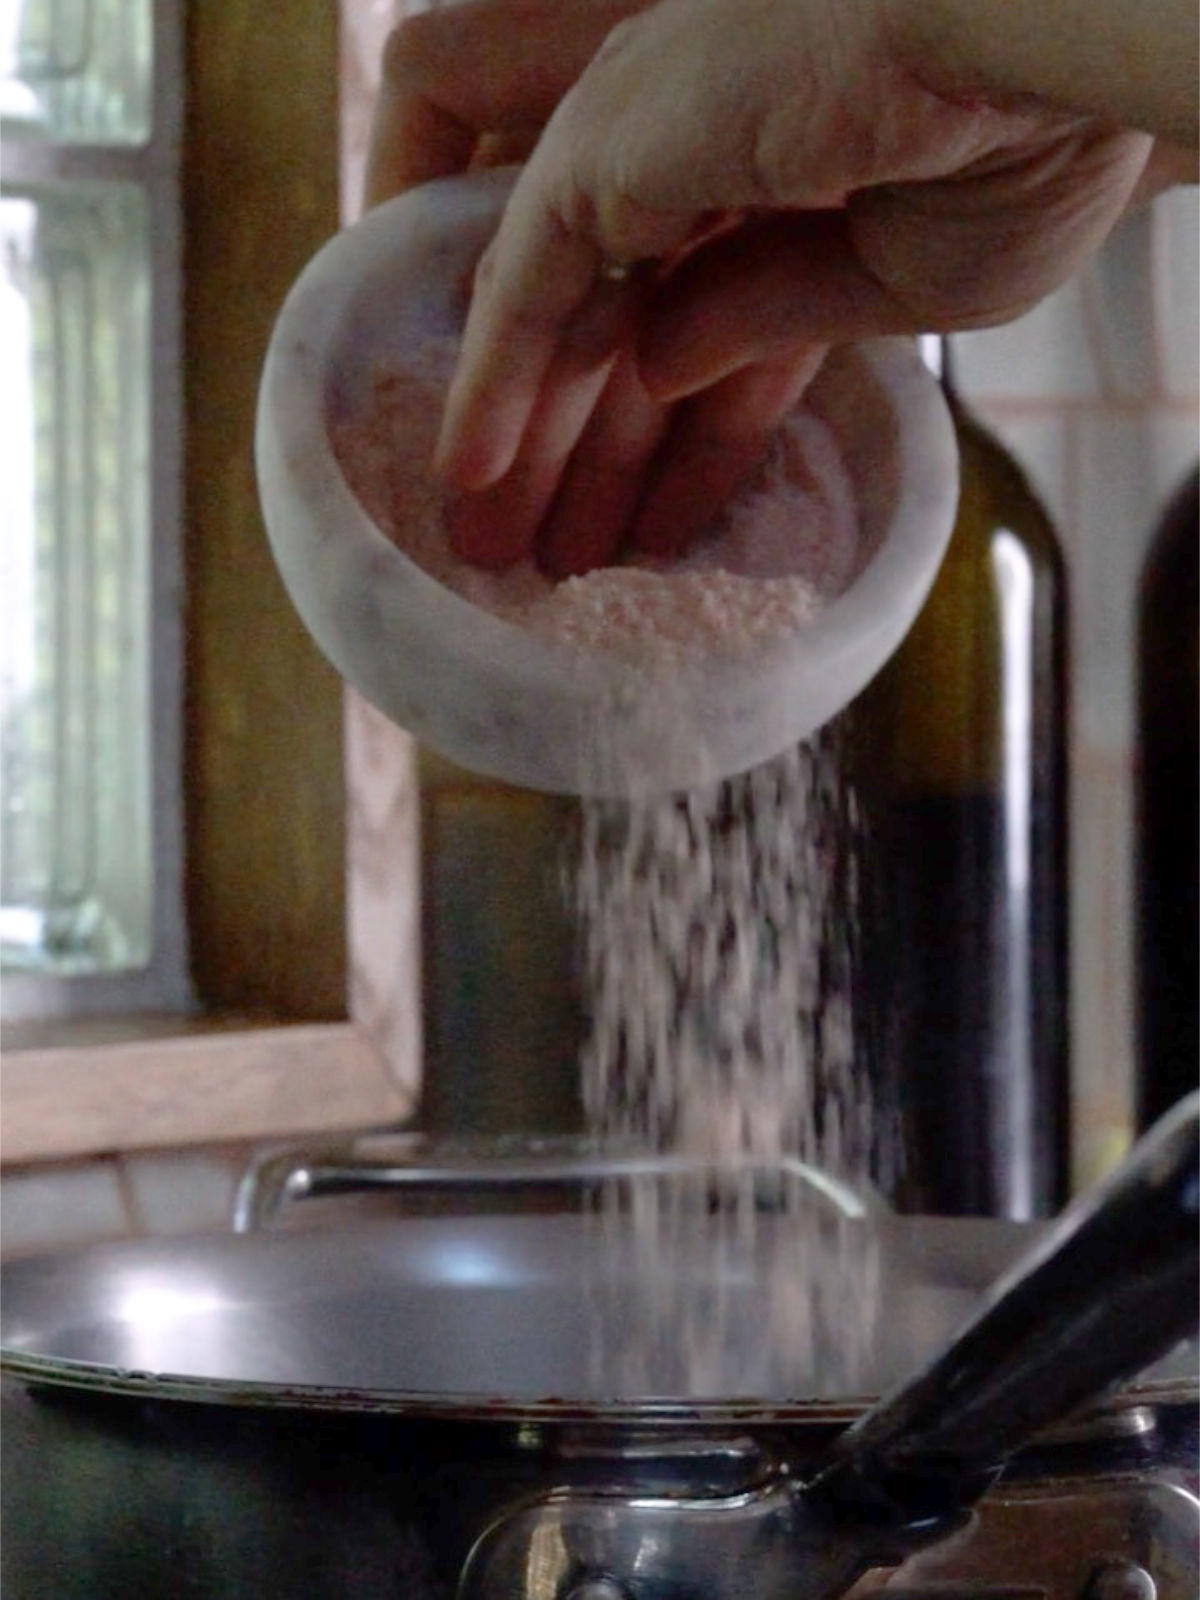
(205, 1086)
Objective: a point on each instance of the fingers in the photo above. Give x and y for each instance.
(553, 322)
(453, 75)
(756, 296)
(420, 130)
(641, 473)
(540, 295)
(509, 495)
(580, 199)
(463, 88)
(964, 252)
(498, 526)
(605, 477)
(717, 442)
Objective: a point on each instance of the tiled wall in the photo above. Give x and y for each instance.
(153, 1193)
(1097, 393)
(112, 1197)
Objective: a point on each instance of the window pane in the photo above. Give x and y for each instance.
(75, 824)
(76, 71)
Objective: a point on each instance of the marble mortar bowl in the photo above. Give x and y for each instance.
(499, 699)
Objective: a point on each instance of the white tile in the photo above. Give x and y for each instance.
(1118, 297)
(1177, 250)
(1038, 442)
(1043, 355)
(182, 1191)
(1174, 446)
(61, 1205)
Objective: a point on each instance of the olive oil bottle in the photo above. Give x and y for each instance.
(957, 754)
(1168, 811)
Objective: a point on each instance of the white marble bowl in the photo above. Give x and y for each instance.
(499, 699)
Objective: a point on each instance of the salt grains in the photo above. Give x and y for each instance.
(786, 546)
(713, 930)
(717, 970)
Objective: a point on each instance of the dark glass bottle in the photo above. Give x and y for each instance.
(500, 1001)
(1168, 811)
(957, 753)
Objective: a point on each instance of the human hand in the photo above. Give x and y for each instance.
(473, 85)
(848, 198)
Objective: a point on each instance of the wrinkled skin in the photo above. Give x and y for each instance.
(780, 196)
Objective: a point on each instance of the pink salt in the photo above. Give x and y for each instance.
(782, 549)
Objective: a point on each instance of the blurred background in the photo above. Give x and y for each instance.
(210, 912)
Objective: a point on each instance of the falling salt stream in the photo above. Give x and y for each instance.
(717, 971)
(715, 931)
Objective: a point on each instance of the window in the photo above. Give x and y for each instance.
(204, 220)
(91, 910)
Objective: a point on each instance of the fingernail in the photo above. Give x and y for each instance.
(473, 459)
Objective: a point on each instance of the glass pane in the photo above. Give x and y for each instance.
(76, 71)
(75, 823)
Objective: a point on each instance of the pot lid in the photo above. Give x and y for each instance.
(524, 1315)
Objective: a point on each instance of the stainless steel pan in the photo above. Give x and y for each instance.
(421, 1407)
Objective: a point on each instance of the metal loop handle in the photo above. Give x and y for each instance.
(409, 1162)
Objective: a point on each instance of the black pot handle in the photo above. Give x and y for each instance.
(1110, 1290)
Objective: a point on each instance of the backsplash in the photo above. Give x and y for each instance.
(113, 1197)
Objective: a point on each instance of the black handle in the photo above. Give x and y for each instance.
(1114, 1287)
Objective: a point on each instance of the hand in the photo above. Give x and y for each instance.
(840, 196)
(473, 85)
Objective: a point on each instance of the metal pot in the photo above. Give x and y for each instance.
(408, 1408)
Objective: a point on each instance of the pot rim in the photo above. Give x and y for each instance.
(96, 1378)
